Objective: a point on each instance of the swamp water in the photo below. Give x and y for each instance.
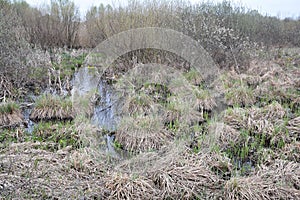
(87, 81)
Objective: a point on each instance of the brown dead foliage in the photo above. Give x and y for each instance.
(268, 122)
(237, 88)
(257, 120)
(187, 177)
(10, 115)
(224, 135)
(177, 173)
(236, 118)
(143, 134)
(292, 152)
(170, 116)
(255, 187)
(123, 186)
(277, 81)
(294, 127)
(180, 110)
(282, 172)
(139, 104)
(202, 100)
(50, 107)
(27, 171)
(262, 81)
(52, 114)
(8, 120)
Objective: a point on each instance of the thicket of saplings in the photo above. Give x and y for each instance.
(237, 138)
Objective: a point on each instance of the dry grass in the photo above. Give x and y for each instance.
(10, 114)
(224, 135)
(88, 133)
(163, 165)
(255, 187)
(49, 107)
(292, 152)
(237, 88)
(236, 118)
(143, 133)
(294, 127)
(6, 87)
(283, 173)
(278, 81)
(29, 172)
(262, 83)
(144, 162)
(186, 177)
(175, 172)
(203, 100)
(139, 104)
(194, 77)
(257, 120)
(123, 186)
(241, 95)
(179, 109)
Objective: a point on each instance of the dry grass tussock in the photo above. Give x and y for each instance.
(278, 81)
(179, 109)
(259, 134)
(294, 127)
(139, 104)
(203, 100)
(143, 133)
(257, 120)
(237, 88)
(282, 172)
(10, 114)
(123, 186)
(263, 81)
(175, 172)
(144, 162)
(186, 177)
(49, 107)
(223, 135)
(88, 133)
(256, 187)
(29, 172)
(292, 152)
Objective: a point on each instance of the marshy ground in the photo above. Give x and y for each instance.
(178, 137)
(177, 145)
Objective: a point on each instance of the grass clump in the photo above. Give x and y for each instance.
(122, 186)
(185, 182)
(194, 77)
(139, 104)
(262, 133)
(50, 107)
(143, 133)
(255, 187)
(9, 107)
(203, 100)
(10, 114)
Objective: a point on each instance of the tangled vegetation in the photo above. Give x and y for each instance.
(178, 136)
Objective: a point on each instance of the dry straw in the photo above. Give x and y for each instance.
(143, 133)
(10, 114)
(49, 107)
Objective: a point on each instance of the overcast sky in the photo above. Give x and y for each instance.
(281, 8)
